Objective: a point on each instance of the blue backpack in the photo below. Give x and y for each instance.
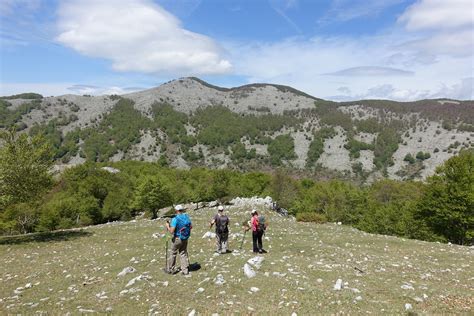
(183, 226)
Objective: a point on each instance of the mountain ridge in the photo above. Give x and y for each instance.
(189, 122)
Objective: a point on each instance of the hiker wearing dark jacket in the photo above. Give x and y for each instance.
(222, 230)
(180, 227)
(258, 226)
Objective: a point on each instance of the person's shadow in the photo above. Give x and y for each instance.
(194, 266)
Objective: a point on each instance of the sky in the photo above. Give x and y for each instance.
(333, 49)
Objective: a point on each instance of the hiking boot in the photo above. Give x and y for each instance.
(263, 251)
(260, 251)
(170, 271)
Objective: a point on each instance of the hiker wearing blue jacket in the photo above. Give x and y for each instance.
(180, 227)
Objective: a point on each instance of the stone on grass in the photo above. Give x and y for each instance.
(254, 289)
(407, 286)
(205, 280)
(248, 271)
(192, 313)
(338, 285)
(256, 261)
(209, 235)
(82, 310)
(126, 271)
(408, 306)
(138, 278)
(219, 280)
(123, 292)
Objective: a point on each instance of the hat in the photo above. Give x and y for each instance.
(179, 207)
(253, 211)
(220, 208)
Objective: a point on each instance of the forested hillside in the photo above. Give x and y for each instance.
(188, 123)
(441, 209)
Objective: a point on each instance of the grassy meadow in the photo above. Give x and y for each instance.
(76, 271)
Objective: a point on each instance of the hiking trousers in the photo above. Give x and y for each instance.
(179, 246)
(221, 242)
(257, 241)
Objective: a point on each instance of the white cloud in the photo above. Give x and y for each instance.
(438, 14)
(370, 71)
(402, 63)
(461, 90)
(445, 27)
(96, 90)
(137, 35)
(62, 88)
(45, 89)
(459, 43)
(305, 64)
(346, 10)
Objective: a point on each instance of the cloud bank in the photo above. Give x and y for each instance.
(137, 36)
(427, 54)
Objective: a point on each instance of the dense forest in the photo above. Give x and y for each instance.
(32, 200)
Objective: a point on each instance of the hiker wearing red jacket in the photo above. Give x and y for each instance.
(258, 226)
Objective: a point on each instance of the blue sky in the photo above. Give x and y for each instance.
(333, 49)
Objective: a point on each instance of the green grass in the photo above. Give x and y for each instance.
(68, 269)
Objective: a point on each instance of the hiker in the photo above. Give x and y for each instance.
(222, 230)
(258, 226)
(180, 228)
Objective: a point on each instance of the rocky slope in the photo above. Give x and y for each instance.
(439, 128)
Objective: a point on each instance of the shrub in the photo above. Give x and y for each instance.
(355, 146)
(385, 146)
(422, 156)
(316, 148)
(311, 217)
(409, 158)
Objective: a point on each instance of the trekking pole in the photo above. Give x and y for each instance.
(242, 242)
(166, 255)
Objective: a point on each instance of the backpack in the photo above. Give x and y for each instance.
(221, 224)
(261, 223)
(183, 226)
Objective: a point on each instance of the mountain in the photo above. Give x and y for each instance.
(188, 122)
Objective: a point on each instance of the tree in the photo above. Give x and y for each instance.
(447, 207)
(281, 148)
(151, 195)
(409, 158)
(283, 188)
(24, 168)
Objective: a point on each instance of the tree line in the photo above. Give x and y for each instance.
(32, 199)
